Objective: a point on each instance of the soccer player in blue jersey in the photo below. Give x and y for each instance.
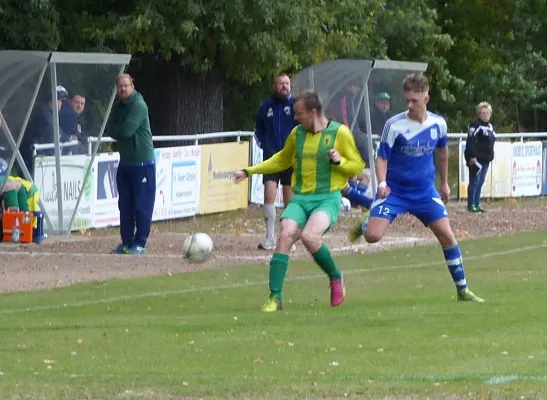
(412, 143)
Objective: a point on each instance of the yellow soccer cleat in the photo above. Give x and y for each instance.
(359, 228)
(272, 305)
(468, 295)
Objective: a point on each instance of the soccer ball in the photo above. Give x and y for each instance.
(346, 205)
(197, 247)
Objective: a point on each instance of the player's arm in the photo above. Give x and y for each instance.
(381, 169)
(441, 160)
(441, 153)
(351, 163)
(280, 161)
(384, 152)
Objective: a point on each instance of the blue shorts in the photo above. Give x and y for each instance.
(427, 209)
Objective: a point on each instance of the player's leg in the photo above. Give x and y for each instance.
(124, 181)
(323, 217)
(433, 214)
(145, 197)
(357, 196)
(292, 220)
(270, 216)
(11, 202)
(373, 225)
(285, 179)
(364, 179)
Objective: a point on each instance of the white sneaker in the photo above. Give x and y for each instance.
(267, 244)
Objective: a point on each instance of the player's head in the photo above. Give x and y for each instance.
(354, 86)
(282, 86)
(124, 86)
(383, 102)
(484, 111)
(308, 108)
(416, 89)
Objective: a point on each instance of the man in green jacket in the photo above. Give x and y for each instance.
(129, 124)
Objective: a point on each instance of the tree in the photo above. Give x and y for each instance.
(187, 50)
(499, 53)
(28, 25)
(410, 31)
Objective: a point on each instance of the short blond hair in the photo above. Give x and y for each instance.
(483, 104)
(415, 83)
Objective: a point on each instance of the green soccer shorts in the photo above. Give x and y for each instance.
(302, 206)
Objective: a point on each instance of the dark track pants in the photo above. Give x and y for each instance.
(136, 197)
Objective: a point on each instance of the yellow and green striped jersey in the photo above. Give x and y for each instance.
(307, 154)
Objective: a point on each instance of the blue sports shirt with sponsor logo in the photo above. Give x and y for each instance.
(409, 148)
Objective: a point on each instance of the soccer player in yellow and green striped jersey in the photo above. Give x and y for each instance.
(323, 156)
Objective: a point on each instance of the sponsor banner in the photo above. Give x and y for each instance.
(463, 173)
(544, 170)
(178, 171)
(526, 169)
(501, 170)
(73, 169)
(499, 181)
(257, 186)
(218, 190)
(105, 210)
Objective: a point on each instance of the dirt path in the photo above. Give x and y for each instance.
(83, 257)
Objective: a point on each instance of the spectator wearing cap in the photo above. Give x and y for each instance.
(380, 113)
(40, 128)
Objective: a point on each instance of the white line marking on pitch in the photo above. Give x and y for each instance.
(257, 283)
(387, 241)
(384, 245)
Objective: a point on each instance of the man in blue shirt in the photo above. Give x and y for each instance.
(405, 169)
(274, 122)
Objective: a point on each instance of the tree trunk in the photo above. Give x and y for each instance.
(179, 102)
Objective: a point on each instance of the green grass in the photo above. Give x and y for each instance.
(400, 333)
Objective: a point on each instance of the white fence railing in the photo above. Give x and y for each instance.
(99, 208)
(453, 137)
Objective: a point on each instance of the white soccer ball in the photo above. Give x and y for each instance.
(346, 205)
(197, 247)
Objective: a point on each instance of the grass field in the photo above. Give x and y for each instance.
(399, 335)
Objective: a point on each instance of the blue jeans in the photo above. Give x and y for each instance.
(136, 197)
(476, 180)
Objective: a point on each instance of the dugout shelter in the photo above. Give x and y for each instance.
(38, 123)
(370, 82)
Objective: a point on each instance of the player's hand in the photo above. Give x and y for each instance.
(473, 161)
(240, 176)
(334, 156)
(445, 192)
(383, 192)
